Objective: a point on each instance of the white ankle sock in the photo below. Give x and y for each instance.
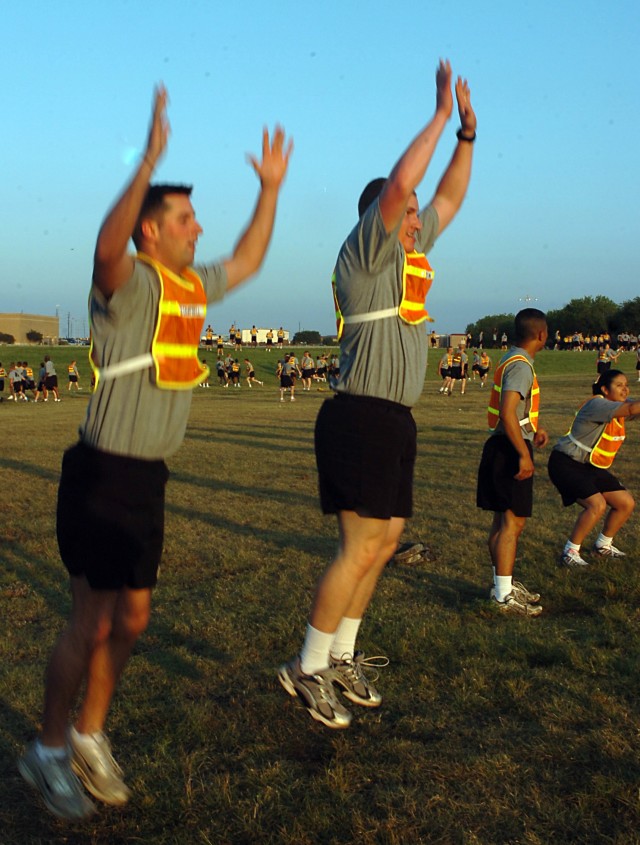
(48, 752)
(503, 586)
(314, 656)
(344, 641)
(603, 541)
(572, 547)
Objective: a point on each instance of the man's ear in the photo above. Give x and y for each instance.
(149, 229)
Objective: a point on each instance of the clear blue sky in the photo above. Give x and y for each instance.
(551, 213)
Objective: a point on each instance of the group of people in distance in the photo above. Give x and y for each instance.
(21, 381)
(229, 372)
(585, 342)
(454, 367)
(147, 312)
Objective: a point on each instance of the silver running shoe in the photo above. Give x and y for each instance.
(573, 560)
(608, 551)
(521, 591)
(94, 764)
(355, 685)
(515, 604)
(56, 782)
(316, 693)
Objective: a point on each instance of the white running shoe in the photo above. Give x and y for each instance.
(608, 551)
(96, 767)
(572, 559)
(56, 782)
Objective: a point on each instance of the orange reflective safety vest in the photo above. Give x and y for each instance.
(417, 278)
(603, 453)
(182, 307)
(531, 406)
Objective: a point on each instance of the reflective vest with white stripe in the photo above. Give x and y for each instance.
(532, 403)
(603, 453)
(182, 307)
(417, 278)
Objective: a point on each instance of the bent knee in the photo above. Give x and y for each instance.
(597, 507)
(132, 625)
(628, 503)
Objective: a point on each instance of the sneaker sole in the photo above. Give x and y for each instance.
(536, 610)
(287, 683)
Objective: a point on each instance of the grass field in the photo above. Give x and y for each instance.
(493, 729)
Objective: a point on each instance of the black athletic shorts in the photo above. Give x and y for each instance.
(574, 480)
(498, 490)
(365, 453)
(110, 518)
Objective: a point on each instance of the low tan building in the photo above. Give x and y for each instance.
(19, 324)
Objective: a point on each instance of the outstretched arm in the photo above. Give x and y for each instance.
(251, 248)
(112, 265)
(453, 185)
(410, 168)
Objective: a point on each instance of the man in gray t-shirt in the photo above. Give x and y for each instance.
(147, 314)
(365, 436)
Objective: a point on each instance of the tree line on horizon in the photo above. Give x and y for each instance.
(589, 315)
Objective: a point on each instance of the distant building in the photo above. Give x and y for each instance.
(457, 339)
(19, 324)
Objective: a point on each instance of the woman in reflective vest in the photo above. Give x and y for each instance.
(579, 467)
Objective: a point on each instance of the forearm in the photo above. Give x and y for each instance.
(452, 188)
(513, 431)
(118, 226)
(412, 165)
(252, 245)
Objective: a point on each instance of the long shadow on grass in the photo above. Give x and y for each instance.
(31, 469)
(231, 486)
(267, 432)
(450, 592)
(289, 538)
(244, 438)
(49, 582)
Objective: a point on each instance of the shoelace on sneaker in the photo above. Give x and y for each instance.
(353, 666)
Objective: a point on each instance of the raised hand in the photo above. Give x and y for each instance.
(275, 158)
(159, 127)
(444, 98)
(467, 115)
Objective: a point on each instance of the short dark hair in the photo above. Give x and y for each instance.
(604, 380)
(153, 205)
(529, 322)
(370, 193)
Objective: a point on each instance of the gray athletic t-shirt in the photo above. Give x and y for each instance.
(384, 358)
(587, 427)
(129, 415)
(518, 376)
